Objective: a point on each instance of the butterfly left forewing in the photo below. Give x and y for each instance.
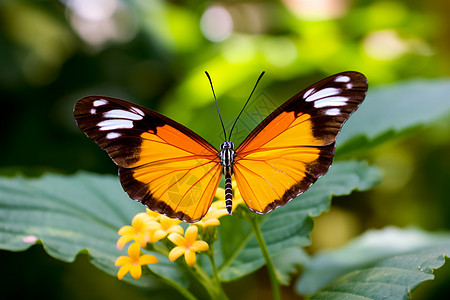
(163, 164)
(290, 149)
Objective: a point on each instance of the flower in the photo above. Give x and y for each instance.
(218, 209)
(168, 225)
(155, 216)
(133, 262)
(212, 216)
(187, 245)
(140, 231)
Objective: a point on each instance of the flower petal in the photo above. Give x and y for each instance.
(152, 225)
(122, 271)
(153, 214)
(141, 239)
(121, 242)
(134, 251)
(136, 271)
(127, 230)
(237, 194)
(191, 234)
(147, 259)
(176, 228)
(220, 204)
(166, 222)
(198, 246)
(157, 235)
(177, 239)
(122, 260)
(176, 252)
(139, 219)
(190, 258)
(220, 194)
(211, 222)
(238, 201)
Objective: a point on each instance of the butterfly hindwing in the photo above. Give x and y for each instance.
(163, 164)
(290, 149)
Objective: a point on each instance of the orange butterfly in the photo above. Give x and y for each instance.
(174, 171)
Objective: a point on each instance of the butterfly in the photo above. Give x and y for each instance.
(174, 171)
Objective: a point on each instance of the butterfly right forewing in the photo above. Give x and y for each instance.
(289, 150)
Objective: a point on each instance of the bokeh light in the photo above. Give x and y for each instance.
(385, 45)
(317, 10)
(216, 23)
(280, 52)
(100, 21)
(94, 10)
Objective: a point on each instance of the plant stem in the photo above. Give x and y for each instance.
(175, 285)
(215, 272)
(213, 288)
(269, 264)
(212, 285)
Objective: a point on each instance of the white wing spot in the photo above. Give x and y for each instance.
(308, 92)
(342, 78)
(100, 102)
(323, 93)
(122, 114)
(331, 101)
(138, 111)
(333, 112)
(93, 111)
(349, 85)
(115, 124)
(113, 135)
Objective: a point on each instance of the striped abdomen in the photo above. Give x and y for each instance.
(228, 194)
(227, 155)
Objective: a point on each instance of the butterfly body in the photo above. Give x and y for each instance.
(174, 171)
(227, 155)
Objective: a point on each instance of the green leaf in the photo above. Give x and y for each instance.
(290, 225)
(381, 264)
(391, 110)
(83, 212)
(71, 214)
(287, 263)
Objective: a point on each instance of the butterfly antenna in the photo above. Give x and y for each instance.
(217, 105)
(257, 81)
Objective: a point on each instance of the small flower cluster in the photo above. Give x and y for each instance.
(150, 227)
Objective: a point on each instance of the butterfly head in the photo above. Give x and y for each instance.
(227, 145)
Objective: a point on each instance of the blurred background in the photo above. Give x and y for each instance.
(155, 53)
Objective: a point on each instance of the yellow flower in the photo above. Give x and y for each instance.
(133, 262)
(139, 231)
(168, 225)
(212, 216)
(155, 216)
(187, 245)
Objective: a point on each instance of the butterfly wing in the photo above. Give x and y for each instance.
(162, 164)
(290, 149)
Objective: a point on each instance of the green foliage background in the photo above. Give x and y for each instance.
(157, 58)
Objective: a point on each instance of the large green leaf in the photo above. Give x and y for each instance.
(70, 214)
(393, 109)
(290, 225)
(83, 212)
(381, 264)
